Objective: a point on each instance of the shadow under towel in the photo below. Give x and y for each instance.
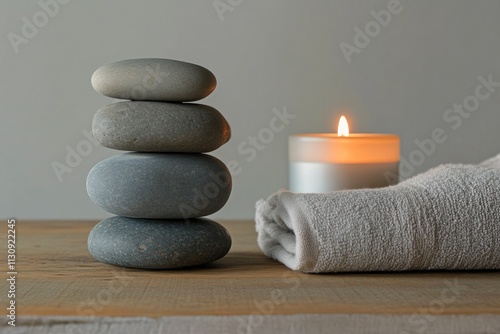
(446, 218)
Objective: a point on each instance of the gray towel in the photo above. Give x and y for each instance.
(446, 218)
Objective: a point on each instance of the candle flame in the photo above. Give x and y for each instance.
(343, 129)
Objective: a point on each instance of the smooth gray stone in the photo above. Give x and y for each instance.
(158, 244)
(154, 79)
(160, 185)
(160, 127)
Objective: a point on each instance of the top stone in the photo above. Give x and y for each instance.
(154, 79)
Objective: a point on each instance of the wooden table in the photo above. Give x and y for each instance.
(60, 288)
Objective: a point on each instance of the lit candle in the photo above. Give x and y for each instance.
(324, 162)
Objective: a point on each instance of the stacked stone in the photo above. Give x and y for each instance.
(159, 190)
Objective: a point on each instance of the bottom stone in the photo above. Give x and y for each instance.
(158, 244)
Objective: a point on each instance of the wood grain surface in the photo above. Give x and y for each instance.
(57, 276)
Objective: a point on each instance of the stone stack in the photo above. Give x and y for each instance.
(159, 190)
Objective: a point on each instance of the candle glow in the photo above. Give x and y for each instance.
(343, 128)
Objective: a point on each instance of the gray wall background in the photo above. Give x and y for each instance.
(266, 55)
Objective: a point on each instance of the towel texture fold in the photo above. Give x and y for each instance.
(446, 218)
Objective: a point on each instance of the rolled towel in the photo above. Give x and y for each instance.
(446, 218)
